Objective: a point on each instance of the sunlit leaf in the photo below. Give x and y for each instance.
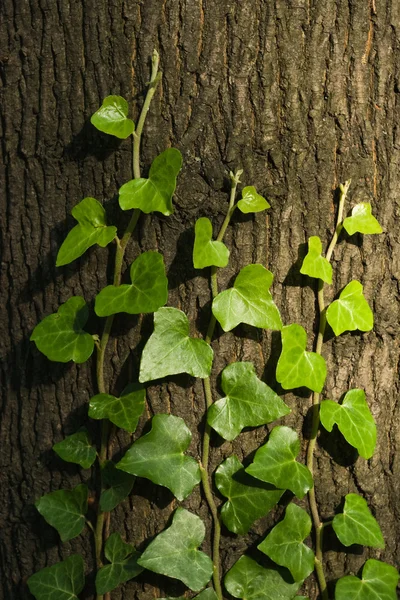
(350, 311)
(112, 117)
(379, 582)
(63, 581)
(65, 510)
(206, 252)
(118, 486)
(124, 412)
(362, 220)
(123, 565)
(314, 264)
(251, 201)
(357, 525)
(77, 448)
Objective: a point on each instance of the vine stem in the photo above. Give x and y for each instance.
(318, 525)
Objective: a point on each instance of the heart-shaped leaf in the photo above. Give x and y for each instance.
(60, 336)
(350, 311)
(147, 292)
(112, 117)
(123, 558)
(154, 193)
(65, 510)
(77, 448)
(379, 582)
(159, 456)
(174, 552)
(170, 350)
(63, 581)
(124, 412)
(119, 486)
(248, 498)
(297, 367)
(357, 525)
(354, 420)
(362, 220)
(249, 301)
(207, 253)
(275, 463)
(248, 403)
(252, 202)
(314, 264)
(284, 544)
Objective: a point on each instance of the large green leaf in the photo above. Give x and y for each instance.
(248, 403)
(249, 301)
(206, 252)
(350, 311)
(170, 350)
(275, 463)
(314, 264)
(63, 581)
(124, 412)
(354, 420)
(159, 456)
(112, 117)
(379, 582)
(77, 448)
(252, 202)
(154, 193)
(357, 525)
(65, 510)
(284, 544)
(118, 484)
(123, 558)
(248, 499)
(60, 336)
(174, 552)
(362, 220)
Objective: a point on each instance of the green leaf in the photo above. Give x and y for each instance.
(249, 301)
(170, 350)
(154, 193)
(275, 463)
(284, 544)
(124, 566)
(248, 498)
(248, 403)
(362, 220)
(251, 201)
(147, 292)
(174, 552)
(119, 486)
(60, 336)
(356, 525)
(379, 582)
(65, 510)
(354, 420)
(124, 412)
(63, 581)
(351, 311)
(207, 594)
(314, 264)
(207, 253)
(159, 456)
(112, 117)
(91, 229)
(77, 448)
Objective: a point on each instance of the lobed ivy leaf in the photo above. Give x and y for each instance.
(112, 117)
(124, 566)
(350, 311)
(206, 252)
(77, 448)
(248, 403)
(147, 292)
(63, 581)
(275, 463)
(357, 525)
(119, 485)
(362, 220)
(159, 456)
(174, 552)
(297, 367)
(252, 202)
(60, 336)
(170, 350)
(353, 419)
(314, 264)
(124, 412)
(248, 301)
(65, 510)
(154, 193)
(379, 581)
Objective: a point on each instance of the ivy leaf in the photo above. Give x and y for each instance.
(77, 448)
(251, 201)
(170, 350)
(248, 403)
(65, 510)
(123, 558)
(379, 580)
(112, 117)
(207, 594)
(159, 456)
(147, 292)
(206, 252)
(284, 544)
(275, 463)
(353, 419)
(248, 498)
(357, 525)
(351, 311)
(119, 485)
(174, 552)
(124, 412)
(314, 264)
(249, 301)
(154, 193)
(362, 220)
(297, 367)
(60, 336)
(63, 581)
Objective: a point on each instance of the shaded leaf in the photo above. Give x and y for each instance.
(123, 558)
(357, 525)
(314, 264)
(77, 448)
(379, 581)
(350, 311)
(124, 412)
(206, 252)
(119, 486)
(362, 220)
(63, 581)
(65, 510)
(112, 117)
(251, 201)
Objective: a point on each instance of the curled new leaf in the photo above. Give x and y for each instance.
(357, 525)
(252, 202)
(362, 220)
(123, 565)
(77, 448)
(118, 485)
(112, 117)
(350, 311)
(314, 264)
(379, 581)
(63, 581)
(65, 510)
(124, 412)
(206, 252)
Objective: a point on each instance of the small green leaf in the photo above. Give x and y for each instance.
(63, 581)
(154, 193)
(60, 336)
(356, 525)
(251, 201)
(112, 117)
(284, 544)
(297, 367)
(314, 264)
(147, 292)
(174, 552)
(207, 253)
(379, 582)
(248, 403)
(354, 420)
(119, 486)
(123, 558)
(351, 311)
(362, 220)
(124, 412)
(65, 510)
(77, 448)
(249, 301)
(159, 456)
(170, 350)
(207, 594)
(248, 498)
(275, 463)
